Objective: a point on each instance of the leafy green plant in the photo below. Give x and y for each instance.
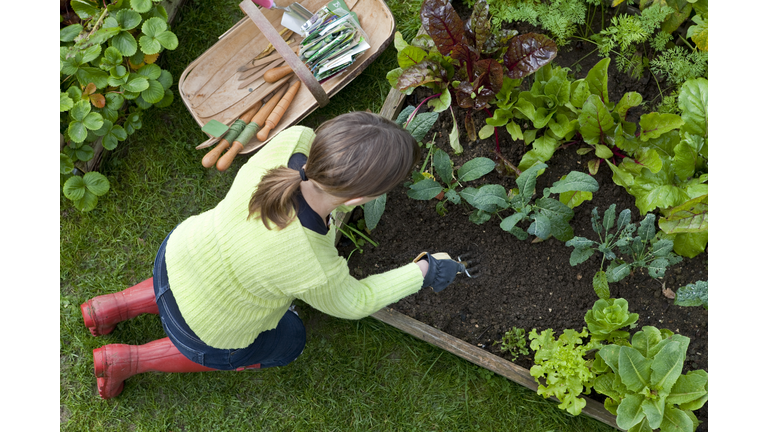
(693, 294)
(607, 316)
(548, 216)
(563, 363)
(465, 62)
(514, 343)
(641, 246)
(670, 172)
(107, 78)
(645, 386)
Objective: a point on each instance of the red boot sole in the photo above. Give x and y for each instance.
(95, 330)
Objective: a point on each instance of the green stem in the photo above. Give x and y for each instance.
(98, 23)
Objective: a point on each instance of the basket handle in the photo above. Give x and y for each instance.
(284, 50)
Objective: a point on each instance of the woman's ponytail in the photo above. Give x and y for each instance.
(275, 197)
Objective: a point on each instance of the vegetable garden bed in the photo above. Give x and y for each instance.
(523, 284)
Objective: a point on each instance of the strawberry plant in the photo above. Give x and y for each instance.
(107, 79)
(464, 62)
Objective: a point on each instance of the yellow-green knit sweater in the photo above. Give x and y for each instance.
(233, 279)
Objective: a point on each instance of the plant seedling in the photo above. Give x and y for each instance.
(514, 342)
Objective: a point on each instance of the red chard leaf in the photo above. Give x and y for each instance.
(478, 27)
(527, 53)
(443, 25)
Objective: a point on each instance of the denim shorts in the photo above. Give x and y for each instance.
(276, 347)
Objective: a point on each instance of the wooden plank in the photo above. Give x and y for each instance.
(480, 357)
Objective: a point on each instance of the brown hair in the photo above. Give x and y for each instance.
(358, 154)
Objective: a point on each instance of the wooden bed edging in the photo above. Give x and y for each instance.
(480, 357)
(392, 106)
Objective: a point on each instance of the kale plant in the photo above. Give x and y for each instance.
(640, 246)
(693, 294)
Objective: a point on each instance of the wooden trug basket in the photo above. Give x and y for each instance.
(208, 86)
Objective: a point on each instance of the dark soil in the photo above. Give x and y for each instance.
(524, 284)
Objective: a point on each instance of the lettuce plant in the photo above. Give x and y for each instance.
(465, 62)
(563, 364)
(607, 316)
(645, 386)
(641, 247)
(107, 78)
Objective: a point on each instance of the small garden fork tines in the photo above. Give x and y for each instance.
(469, 265)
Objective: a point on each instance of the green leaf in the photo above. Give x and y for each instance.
(424, 190)
(579, 255)
(166, 101)
(65, 102)
(648, 158)
(597, 80)
(453, 137)
(166, 79)
(510, 222)
(93, 121)
(443, 166)
(693, 294)
(96, 183)
(410, 56)
(647, 228)
(595, 121)
(540, 227)
(654, 125)
(526, 182)
(154, 93)
(70, 32)
(421, 124)
(558, 214)
(149, 45)
(690, 216)
(575, 181)
(84, 9)
(141, 6)
(372, 210)
(65, 164)
(125, 43)
(600, 285)
(137, 84)
(150, 71)
(654, 412)
(128, 19)
(77, 131)
(475, 168)
(603, 152)
(74, 188)
(634, 369)
(676, 420)
(693, 103)
(442, 103)
(629, 100)
(84, 153)
(543, 149)
(630, 411)
(574, 199)
(168, 40)
(667, 366)
(112, 58)
(485, 132)
(488, 198)
(617, 271)
(690, 390)
(87, 202)
(690, 244)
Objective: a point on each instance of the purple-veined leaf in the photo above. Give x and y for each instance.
(527, 53)
(478, 26)
(595, 120)
(654, 125)
(443, 25)
(419, 74)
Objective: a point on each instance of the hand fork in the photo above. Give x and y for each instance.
(469, 266)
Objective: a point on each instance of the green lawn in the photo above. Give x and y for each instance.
(353, 375)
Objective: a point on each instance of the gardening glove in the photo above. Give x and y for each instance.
(442, 270)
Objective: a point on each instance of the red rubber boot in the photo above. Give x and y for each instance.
(115, 363)
(102, 313)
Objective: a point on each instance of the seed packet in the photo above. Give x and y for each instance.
(333, 40)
